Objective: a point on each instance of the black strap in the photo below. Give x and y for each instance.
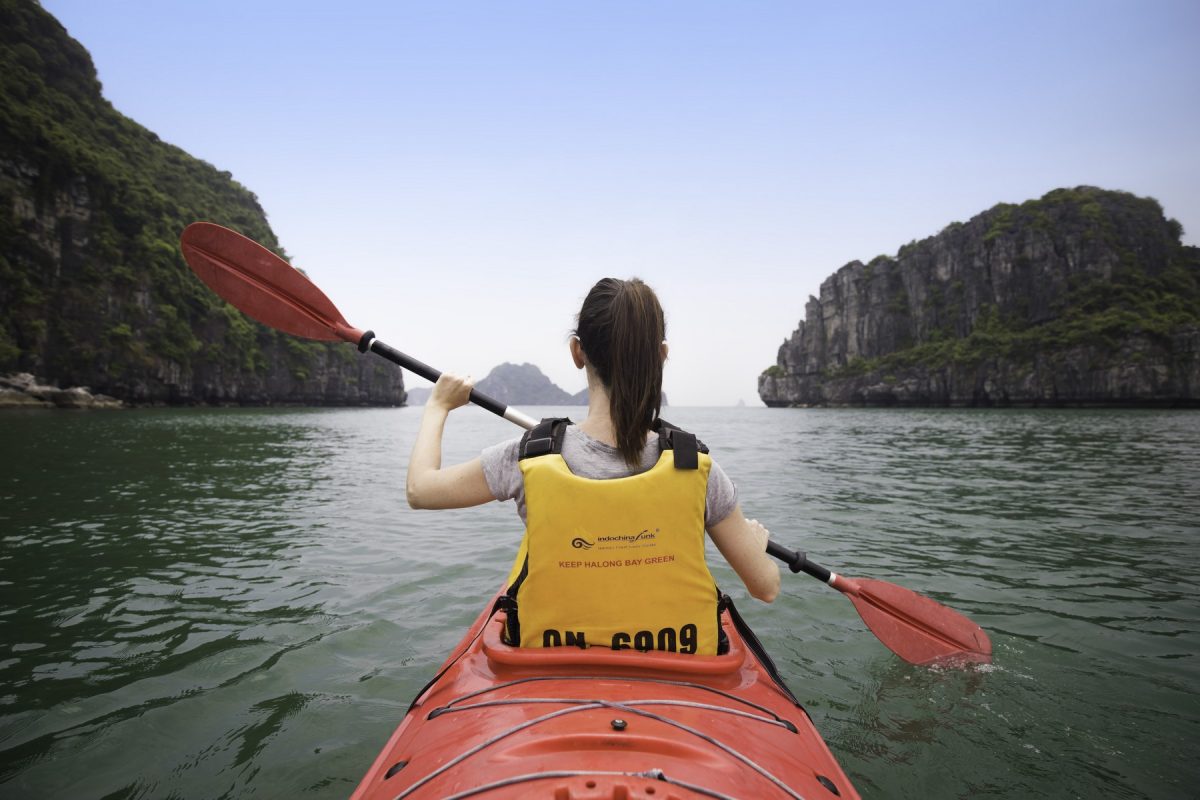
(685, 445)
(508, 604)
(544, 438)
(686, 450)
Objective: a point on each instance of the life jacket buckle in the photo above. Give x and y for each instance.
(539, 447)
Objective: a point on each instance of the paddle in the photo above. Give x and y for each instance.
(919, 630)
(264, 286)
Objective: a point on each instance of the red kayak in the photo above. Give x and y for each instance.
(591, 724)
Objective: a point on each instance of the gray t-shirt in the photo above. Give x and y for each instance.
(589, 458)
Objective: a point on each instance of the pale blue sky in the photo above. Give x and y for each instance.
(456, 175)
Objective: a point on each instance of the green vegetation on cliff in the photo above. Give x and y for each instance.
(93, 289)
(1100, 314)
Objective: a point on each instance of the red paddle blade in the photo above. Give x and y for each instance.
(919, 630)
(262, 285)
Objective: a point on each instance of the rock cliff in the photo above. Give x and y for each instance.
(93, 289)
(1081, 297)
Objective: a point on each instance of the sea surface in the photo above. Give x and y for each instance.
(209, 603)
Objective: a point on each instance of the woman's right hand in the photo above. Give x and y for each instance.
(743, 542)
(451, 391)
(758, 533)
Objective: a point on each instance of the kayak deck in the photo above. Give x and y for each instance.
(576, 724)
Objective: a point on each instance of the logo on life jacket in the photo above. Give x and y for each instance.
(631, 538)
(617, 541)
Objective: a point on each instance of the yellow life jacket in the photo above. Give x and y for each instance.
(617, 562)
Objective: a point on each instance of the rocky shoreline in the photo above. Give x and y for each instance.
(22, 390)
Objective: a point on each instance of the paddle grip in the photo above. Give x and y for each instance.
(369, 342)
(798, 562)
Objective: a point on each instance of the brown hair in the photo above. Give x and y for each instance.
(621, 329)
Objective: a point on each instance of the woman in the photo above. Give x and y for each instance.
(615, 507)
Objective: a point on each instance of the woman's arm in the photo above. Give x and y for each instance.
(743, 543)
(428, 485)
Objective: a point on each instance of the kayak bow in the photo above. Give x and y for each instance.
(585, 724)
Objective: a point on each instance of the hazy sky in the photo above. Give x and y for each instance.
(456, 175)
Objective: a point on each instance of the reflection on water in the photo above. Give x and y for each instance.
(214, 603)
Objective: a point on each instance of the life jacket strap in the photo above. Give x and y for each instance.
(684, 446)
(507, 603)
(544, 438)
(547, 436)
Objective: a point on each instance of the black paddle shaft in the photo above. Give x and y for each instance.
(369, 342)
(798, 562)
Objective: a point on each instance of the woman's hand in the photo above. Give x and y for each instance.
(451, 391)
(759, 534)
(427, 484)
(743, 542)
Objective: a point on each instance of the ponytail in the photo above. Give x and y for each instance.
(621, 329)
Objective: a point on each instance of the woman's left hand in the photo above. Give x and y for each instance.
(427, 484)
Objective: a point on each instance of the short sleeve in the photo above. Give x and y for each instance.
(722, 496)
(500, 469)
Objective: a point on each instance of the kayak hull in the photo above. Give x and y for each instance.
(585, 724)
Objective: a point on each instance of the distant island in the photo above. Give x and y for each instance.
(1082, 297)
(518, 385)
(525, 384)
(94, 291)
(515, 385)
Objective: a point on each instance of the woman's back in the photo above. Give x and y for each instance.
(620, 343)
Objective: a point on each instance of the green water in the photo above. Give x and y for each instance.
(227, 603)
